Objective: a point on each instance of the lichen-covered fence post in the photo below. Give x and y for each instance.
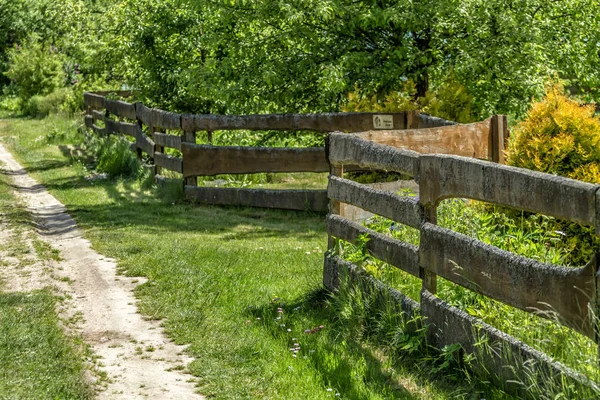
(190, 137)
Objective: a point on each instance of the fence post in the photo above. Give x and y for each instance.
(429, 279)
(335, 207)
(412, 119)
(498, 133)
(189, 137)
(157, 148)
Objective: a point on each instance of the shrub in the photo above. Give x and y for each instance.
(114, 156)
(61, 101)
(35, 69)
(558, 136)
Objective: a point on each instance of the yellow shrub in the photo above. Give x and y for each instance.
(559, 136)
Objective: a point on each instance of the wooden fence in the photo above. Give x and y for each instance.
(155, 130)
(569, 294)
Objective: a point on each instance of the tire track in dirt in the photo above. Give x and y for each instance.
(139, 360)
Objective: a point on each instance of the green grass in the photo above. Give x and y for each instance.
(217, 276)
(532, 236)
(37, 361)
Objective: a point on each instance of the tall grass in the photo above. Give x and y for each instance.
(529, 235)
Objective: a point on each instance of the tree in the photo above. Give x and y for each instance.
(306, 55)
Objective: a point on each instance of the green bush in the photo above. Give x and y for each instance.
(114, 156)
(35, 68)
(61, 101)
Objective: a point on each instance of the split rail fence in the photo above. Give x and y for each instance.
(569, 294)
(155, 130)
(446, 160)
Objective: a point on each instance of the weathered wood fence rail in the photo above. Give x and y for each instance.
(178, 131)
(570, 294)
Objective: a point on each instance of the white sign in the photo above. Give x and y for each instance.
(383, 121)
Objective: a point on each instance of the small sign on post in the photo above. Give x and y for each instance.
(383, 121)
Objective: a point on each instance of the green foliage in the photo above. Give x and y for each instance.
(450, 101)
(559, 136)
(534, 236)
(114, 156)
(61, 101)
(286, 56)
(36, 69)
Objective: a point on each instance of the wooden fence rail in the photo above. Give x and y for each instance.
(156, 130)
(568, 294)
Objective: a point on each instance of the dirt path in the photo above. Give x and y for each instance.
(135, 354)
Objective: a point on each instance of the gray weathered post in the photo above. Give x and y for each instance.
(189, 137)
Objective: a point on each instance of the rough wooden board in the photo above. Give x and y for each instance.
(144, 143)
(168, 162)
(313, 200)
(99, 131)
(428, 121)
(514, 280)
(165, 119)
(126, 128)
(120, 93)
(89, 121)
(329, 122)
(93, 101)
(402, 255)
(357, 214)
(162, 139)
(470, 140)
(143, 114)
(345, 149)
(402, 209)
(213, 160)
(110, 126)
(444, 176)
(120, 108)
(99, 115)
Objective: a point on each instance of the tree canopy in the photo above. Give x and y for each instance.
(308, 55)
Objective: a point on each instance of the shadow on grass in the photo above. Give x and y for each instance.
(339, 354)
(131, 207)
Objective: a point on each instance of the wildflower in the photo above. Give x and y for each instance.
(289, 330)
(280, 310)
(329, 389)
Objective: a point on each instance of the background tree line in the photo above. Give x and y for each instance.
(461, 60)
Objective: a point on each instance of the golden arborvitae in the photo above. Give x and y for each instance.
(559, 136)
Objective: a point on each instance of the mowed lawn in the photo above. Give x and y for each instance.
(239, 286)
